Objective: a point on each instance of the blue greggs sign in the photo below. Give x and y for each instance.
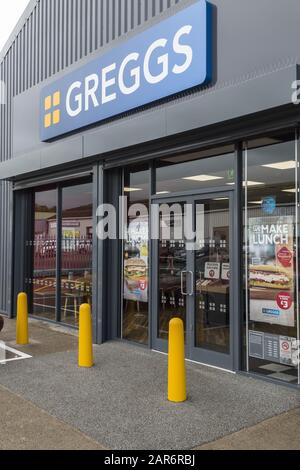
(168, 58)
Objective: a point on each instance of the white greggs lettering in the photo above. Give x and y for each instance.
(100, 89)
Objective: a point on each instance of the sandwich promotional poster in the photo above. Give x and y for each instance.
(271, 270)
(136, 262)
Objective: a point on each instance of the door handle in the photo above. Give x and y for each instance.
(182, 288)
(192, 283)
(199, 284)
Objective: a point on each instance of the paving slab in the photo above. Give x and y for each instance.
(23, 426)
(279, 433)
(122, 401)
(45, 338)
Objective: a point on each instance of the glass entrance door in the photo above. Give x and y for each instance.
(172, 269)
(194, 260)
(212, 306)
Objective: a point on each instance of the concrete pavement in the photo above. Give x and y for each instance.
(23, 426)
(121, 402)
(279, 433)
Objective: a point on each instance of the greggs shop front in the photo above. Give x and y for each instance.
(157, 176)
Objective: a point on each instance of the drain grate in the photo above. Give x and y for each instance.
(8, 354)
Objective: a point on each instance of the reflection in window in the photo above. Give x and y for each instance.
(172, 266)
(136, 256)
(194, 171)
(213, 259)
(270, 260)
(44, 254)
(76, 249)
(75, 270)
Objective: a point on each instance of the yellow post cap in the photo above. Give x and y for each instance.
(176, 362)
(85, 345)
(22, 336)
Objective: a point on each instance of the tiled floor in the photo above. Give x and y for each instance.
(279, 372)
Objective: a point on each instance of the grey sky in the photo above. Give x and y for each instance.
(10, 12)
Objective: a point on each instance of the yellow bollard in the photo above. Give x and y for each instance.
(176, 369)
(85, 350)
(22, 320)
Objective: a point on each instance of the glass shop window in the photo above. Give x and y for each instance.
(43, 246)
(76, 250)
(136, 293)
(61, 261)
(193, 171)
(271, 257)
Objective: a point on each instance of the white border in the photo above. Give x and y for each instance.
(14, 351)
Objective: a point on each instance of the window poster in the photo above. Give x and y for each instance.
(225, 272)
(136, 277)
(271, 270)
(212, 270)
(274, 348)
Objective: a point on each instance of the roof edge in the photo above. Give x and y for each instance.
(18, 27)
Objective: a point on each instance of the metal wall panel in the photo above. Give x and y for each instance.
(59, 33)
(56, 34)
(5, 246)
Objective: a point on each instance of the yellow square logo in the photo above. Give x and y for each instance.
(47, 122)
(56, 99)
(48, 103)
(56, 116)
(52, 116)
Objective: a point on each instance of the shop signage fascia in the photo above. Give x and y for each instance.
(173, 56)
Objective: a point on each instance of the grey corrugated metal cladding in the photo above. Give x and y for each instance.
(56, 34)
(61, 32)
